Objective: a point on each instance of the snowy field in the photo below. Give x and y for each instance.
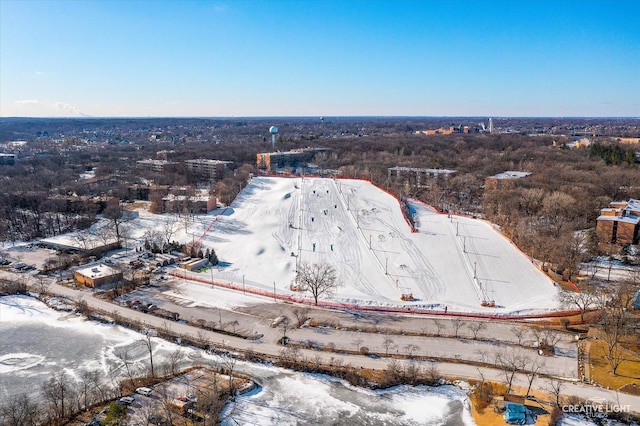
(455, 262)
(36, 344)
(276, 223)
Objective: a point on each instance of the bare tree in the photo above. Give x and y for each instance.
(532, 369)
(302, 315)
(357, 343)
(412, 372)
(476, 327)
(113, 212)
(433, 373)
(228, 362)
(124, 356)
(555, 388)
(170, 228)
(154, 239)
(174, 359)
(285, 325)
(388, 344)
(87, 390)
(394, 370)
(411, 349)
(201, 339)
(614, 326)
(103, 232)
(211, 404)
(457, 325)
(58, 392)
(509, 363)
(581, 300)
(548, 337)
(320, 279)
(19, 410)
(166, 396)
(439, 324)
(148, 333)
(519, 333)
(42, 286)
(233, 325)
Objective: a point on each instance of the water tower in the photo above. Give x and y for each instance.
(274, 131)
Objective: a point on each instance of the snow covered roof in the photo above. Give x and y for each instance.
(625, 219)
(627, 212)
(633, 205)
(98, 271)
(511, 175)
(416, 169)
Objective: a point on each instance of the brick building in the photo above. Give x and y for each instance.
(97, 276)
(207, 169)
(619, 224)
(504, 180)
(272, 161)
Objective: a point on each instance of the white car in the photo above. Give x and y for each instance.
(126, 400)
(144, 391)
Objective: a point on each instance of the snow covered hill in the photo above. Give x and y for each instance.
(453, 262)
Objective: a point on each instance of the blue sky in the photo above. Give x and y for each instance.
(319, 58)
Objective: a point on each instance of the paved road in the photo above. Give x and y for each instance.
(345, 339)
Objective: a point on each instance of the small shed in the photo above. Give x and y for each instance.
(515, 413)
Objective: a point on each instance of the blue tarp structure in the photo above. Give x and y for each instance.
(514, 414)
(636, 300)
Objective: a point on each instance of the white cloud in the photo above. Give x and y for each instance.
(28, 102)
(38, 108)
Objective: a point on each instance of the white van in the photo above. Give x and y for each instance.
(144, 391)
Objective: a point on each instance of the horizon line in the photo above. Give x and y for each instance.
(139, 117)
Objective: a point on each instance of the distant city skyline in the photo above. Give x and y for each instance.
(319, 58)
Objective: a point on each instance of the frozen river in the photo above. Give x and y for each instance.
(36, 342)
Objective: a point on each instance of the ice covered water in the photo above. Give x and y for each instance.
(35, 345)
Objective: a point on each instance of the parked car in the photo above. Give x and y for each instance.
(126, 400)
(144, 391)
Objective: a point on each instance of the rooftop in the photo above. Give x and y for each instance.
(417, 169)
(98, 271)
(511, 175)
(207, 161)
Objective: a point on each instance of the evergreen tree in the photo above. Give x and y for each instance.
(213, 258)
